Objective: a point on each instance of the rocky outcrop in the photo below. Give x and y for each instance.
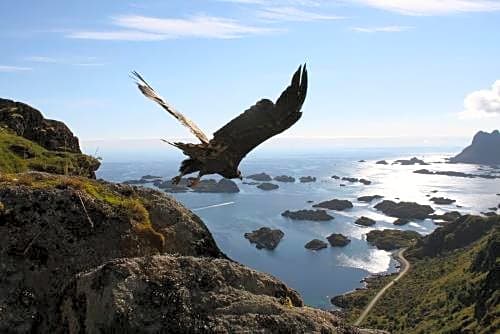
(368, 199)
(338, 240)
(365, 221)
(268, 186)
(263, 177)
(27, 122)
(265, 237)
(29, 142)
(54, 227)
(284, 178)
(392, 239)
(313, 215)
(485, 150)
(169, 294)
(382, 162)
(316, 244)
(407, 210)
(335, 204)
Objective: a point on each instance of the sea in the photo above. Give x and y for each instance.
(320, 275)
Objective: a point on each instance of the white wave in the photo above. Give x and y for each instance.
(376, 261)
(213, 206)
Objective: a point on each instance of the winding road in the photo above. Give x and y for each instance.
(405, 266)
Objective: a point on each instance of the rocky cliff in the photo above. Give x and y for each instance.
(485, 150)
(29, 123)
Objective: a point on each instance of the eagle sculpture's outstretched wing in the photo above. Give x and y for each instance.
(263, 120)
(149, 92)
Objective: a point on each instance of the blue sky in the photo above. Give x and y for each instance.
(378, 68)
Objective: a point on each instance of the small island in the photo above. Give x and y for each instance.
(307, 179)
(204, 186)
(370, 198)
(365, 221)
(409, 162)
(338, 240)
(392, 239)
(382, 162)
(442, 200)
(262, 177)
(335, 204)
(408, 210)
(401, 221)
(265, 237)
(316, 244)
(284, 178)
(268, 186)
(313, 215)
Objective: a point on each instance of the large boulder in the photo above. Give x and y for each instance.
(485, 150)
(167, 294)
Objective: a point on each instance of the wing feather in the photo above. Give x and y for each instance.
(263, 120)
(150, 93)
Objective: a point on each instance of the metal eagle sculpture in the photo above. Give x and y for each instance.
(231, 143)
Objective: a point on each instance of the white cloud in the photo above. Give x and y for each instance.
(76, 61)
(196, 26)
(382, 29)
(117, 35)
(482, 103)
(293, 14)
(146, 28)
(277, 2)
(42, 59)
(432, 7)
(8, 68)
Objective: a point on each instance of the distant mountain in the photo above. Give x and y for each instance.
(484, 150)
